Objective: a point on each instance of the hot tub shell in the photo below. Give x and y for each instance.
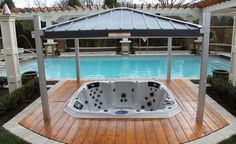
(122, 99)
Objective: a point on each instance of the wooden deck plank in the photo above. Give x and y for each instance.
(159, 131)
(65, 129)
(101, 132)
(179, 132)
(89, 139)
(169, 132)
(64, 94)
(51, 130)
(38, 123)
(190, 134)
(150, 132)
(216, 117)
(179, 129)
(82, 132)
(72, 132)
(199, 129)
(111, 131)
(193, 102)
(140, 132)
(32, 115)
(120, 132)
(57, 126)
(191, 107)
(130, 132)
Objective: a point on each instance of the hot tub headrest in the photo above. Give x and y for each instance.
(154, 84)
(93, 85)
(78, 105)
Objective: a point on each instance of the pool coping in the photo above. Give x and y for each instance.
(32, 137)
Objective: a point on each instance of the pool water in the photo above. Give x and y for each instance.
(125, 67)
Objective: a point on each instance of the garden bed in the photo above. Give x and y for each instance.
(222, 92)
(3, 91)
(220, 100)
(13, 113)
(12, 104)
(19, 100)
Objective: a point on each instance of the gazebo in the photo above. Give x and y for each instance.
(122, 23)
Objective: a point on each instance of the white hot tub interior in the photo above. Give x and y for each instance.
(123, 99)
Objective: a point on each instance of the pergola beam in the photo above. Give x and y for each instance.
(220, 6)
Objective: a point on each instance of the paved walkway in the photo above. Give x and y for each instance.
(24, 57)
(226, 54)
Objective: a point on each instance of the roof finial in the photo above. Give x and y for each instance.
(6, 10)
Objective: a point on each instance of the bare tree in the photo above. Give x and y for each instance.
(40, 3)
(172, 2)
(61, 3)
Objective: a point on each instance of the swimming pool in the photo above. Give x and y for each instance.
(125, 66)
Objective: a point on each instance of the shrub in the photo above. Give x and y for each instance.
(3, 81)
(19, 96)
(224, 88)
(118, 50)
(209, 79)
(132, 50)
(194, 51)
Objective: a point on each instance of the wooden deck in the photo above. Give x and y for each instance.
(179, 129)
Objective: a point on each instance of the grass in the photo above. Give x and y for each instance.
(231, 140)
(8, 138)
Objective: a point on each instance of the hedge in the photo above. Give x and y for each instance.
(224, 89)
(19, 96)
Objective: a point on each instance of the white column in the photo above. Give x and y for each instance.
(50, 45)
(48, 20)
(41, 69)
(200, 22)
(204, 65)
(169, 59)
(77, 60)
(232, 75)
(10, 50)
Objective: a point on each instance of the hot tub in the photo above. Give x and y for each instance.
(123, 99)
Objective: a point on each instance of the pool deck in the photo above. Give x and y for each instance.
(181, 128)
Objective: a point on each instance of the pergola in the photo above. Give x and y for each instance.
(121, 23)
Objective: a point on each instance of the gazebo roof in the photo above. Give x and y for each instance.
(123, 22)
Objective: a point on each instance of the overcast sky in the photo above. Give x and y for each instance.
(30, 3)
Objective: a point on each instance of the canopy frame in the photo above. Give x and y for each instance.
(49, 35)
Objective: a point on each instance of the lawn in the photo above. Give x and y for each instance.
(231, 140)
(8, 138)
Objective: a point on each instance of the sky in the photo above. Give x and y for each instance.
(27, 3)
(30, 3)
